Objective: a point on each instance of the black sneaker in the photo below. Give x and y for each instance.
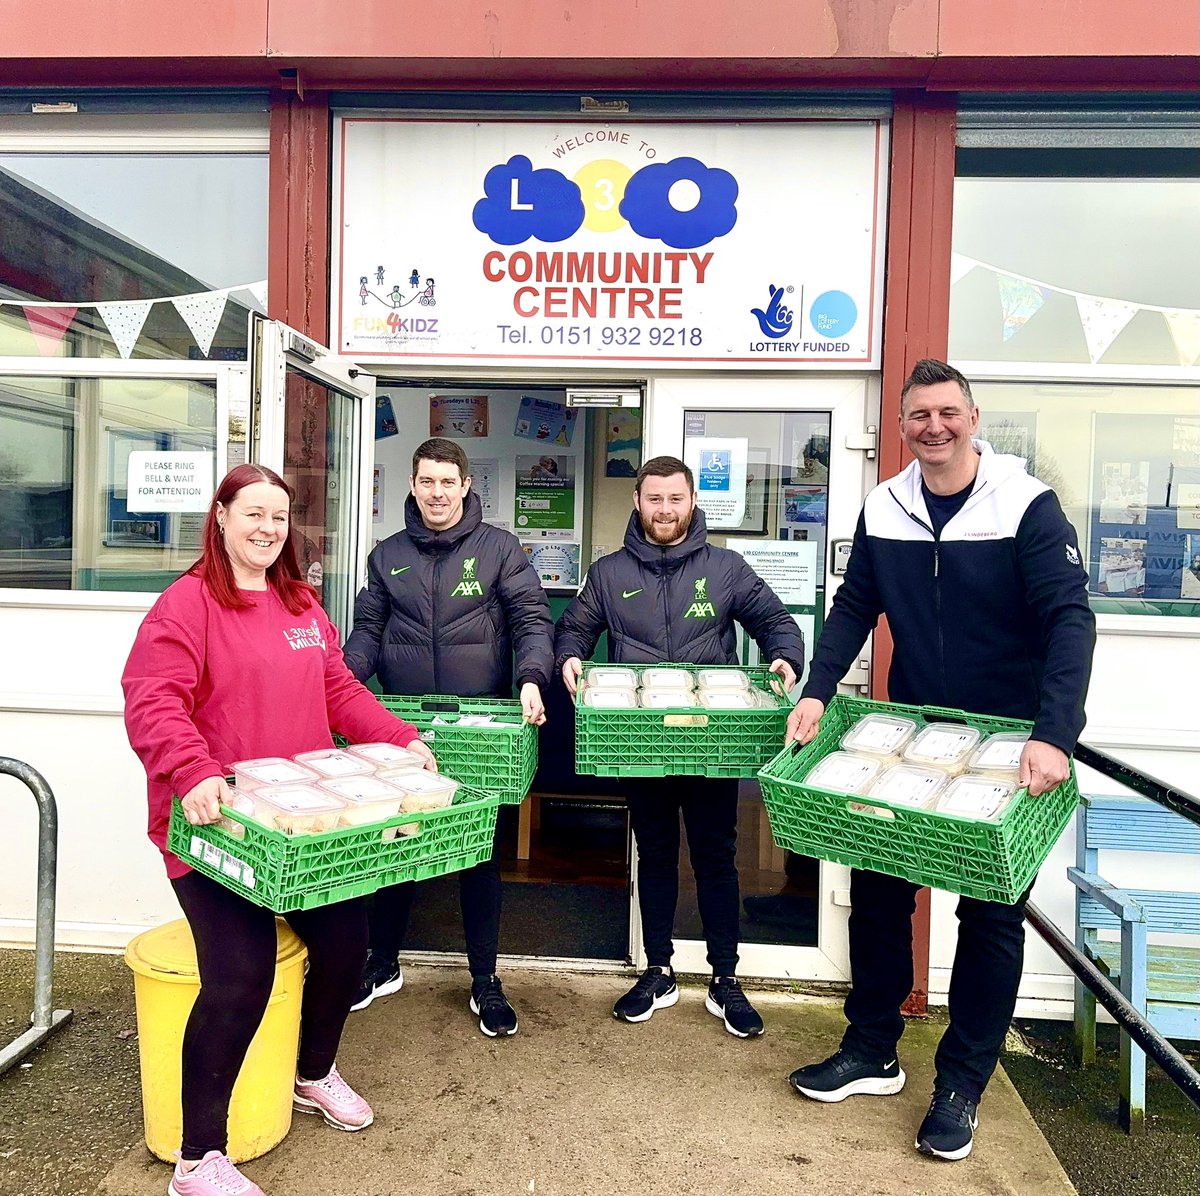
(949, 1126)
(381, 977)
(496, 1016)
(655, 989)
(726, 1000)
(843, 1075)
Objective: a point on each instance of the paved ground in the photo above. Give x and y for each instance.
(576, 1103)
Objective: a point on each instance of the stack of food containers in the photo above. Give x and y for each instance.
(671, 687)
(942, 767)
(337, 787)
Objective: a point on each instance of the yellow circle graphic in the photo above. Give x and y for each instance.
(602, 185)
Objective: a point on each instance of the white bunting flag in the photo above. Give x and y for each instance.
(960, 267)
(202, 314)
(125, 321)
(1102, 320)
(259, 291)
(1185, 332)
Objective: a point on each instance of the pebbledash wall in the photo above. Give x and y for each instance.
(1041, 191)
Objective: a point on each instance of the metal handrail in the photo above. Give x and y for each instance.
(1126, 1016)
(45, 1020)
(1184, 804)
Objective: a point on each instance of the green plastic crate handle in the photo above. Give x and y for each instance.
(436, 704)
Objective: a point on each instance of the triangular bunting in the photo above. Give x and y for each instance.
(49, 325)
(960, 267)
(1102, 321)
(1020, 300)
(1185, 332)
(125, 321)
(202, 314)
(259, 291)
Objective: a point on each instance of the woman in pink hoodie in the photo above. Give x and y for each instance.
(237, 660)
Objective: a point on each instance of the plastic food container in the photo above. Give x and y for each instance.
(243, 803)
(728, 699)
(880, 735)
(722, 679)
(942, 745)
(908, 785)
(666, 677)
(666, 699)
(424, 791)
(297, 809)
(610, 699)
(367, 798)
(999, 754)
(974, 796)
(335, 762)
(386, 755)
(611, 677)
(249, 775)
(844, 772)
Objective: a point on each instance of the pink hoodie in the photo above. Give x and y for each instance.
(206, 686)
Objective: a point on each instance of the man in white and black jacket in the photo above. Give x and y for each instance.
(449, 602)
(980, 576)
(669, 595)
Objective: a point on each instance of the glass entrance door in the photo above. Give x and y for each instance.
(778, 482)
(312, 425)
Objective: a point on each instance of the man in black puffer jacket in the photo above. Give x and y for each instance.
(448, 602)
(669, 595)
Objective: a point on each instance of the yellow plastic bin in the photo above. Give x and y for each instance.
(166, 982)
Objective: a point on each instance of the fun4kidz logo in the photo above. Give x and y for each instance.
(469, 587)
(682, 203)
(701, 608)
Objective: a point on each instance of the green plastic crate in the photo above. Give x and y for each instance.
(499, 760)
(290, 872)
(991, 860)
(688, 741)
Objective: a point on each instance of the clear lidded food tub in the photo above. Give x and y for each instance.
(297, 809)
(722, 679)
(666, 699)
(975, 796)
(666, 677)
(728, 699)
(610, 699)
(386, 755)
(243, 803)
(908, 785)
(999, 755)
(367, 798)
(881, 735)
(945, 746)
(844, 772)
(424, 791)
(335, 762)
(611, 676)
(249, 775)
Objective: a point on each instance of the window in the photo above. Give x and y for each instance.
(1075, 311)
(132, 236)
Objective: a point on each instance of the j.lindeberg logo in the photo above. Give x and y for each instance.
(981, 535)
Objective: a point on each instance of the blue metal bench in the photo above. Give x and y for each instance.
(1160, 980)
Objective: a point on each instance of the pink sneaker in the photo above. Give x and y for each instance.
(215, 1176)
(335, 1100)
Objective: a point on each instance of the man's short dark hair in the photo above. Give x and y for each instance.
(929, 372)
(664, 467)
(438, 448)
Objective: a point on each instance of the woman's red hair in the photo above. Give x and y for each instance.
(213, 567)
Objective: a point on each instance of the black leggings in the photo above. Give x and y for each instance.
(235, 950)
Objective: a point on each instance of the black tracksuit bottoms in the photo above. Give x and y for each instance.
(983, 983)
(710, 811)
(479, 891)
(235, 951)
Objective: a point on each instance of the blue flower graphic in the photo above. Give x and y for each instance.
(520, 202)
(647, 205)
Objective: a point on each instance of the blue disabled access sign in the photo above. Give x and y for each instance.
(716, 466)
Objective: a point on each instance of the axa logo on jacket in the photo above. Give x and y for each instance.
(469, 586)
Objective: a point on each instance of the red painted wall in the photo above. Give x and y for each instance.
(710, 43)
